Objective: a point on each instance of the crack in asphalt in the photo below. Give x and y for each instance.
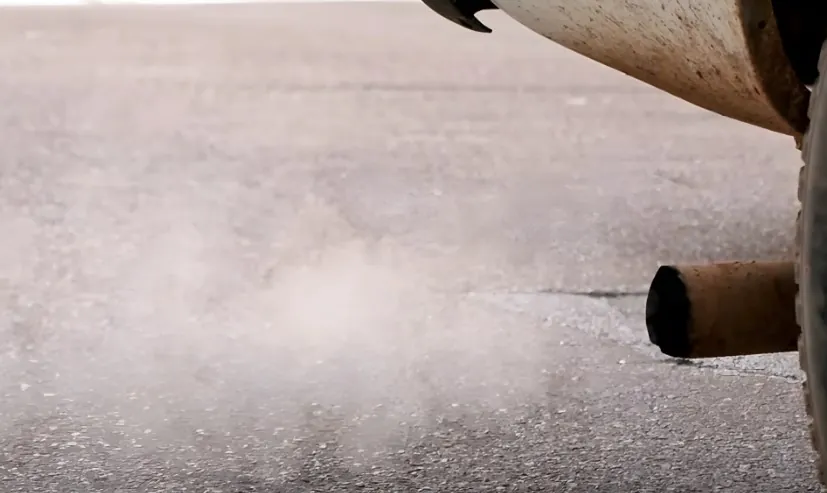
(598, 293)
(587, 293)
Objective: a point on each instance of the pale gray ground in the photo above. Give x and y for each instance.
(345, 248)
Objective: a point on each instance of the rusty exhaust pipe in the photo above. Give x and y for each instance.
(727, 309)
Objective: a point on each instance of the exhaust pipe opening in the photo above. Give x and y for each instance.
(668, 313)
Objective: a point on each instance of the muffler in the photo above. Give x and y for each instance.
(726, 309)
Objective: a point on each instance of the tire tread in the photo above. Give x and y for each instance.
(802, 184)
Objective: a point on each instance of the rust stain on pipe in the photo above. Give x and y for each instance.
(725, 309)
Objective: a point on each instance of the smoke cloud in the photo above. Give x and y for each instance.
(155, 315)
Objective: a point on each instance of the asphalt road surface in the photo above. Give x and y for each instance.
(352, 247)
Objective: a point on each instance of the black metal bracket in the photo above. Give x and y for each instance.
(462, 12)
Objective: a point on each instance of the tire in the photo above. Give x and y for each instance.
(811, 272)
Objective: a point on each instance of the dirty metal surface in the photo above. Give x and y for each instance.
(724, 56)
(723, 309)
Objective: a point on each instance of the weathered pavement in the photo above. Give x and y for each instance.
(356, 248)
